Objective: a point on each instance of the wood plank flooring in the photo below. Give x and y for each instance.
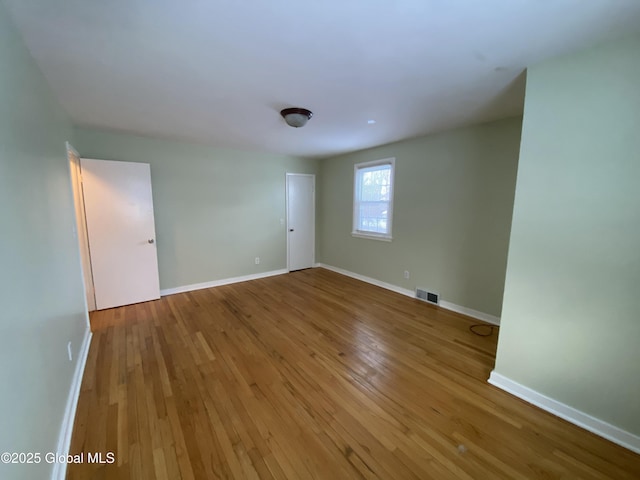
(312, 375)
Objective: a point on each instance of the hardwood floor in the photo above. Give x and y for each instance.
(312, 375)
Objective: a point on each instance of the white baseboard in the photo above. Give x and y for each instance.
(469, 312)
(217, 283)
(64, 440)
(570, 414)
(372, 281)
(410, 293)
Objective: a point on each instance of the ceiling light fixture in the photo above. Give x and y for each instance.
(371, 122)
(296, 117)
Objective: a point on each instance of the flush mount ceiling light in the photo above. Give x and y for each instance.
(296, 117)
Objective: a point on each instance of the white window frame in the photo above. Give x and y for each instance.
(386, 237)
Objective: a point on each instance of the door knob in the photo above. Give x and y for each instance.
(150, 240)
(291, 229)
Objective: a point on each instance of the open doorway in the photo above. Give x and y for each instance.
(81, 225)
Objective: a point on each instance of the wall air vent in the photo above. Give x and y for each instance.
(430, 297)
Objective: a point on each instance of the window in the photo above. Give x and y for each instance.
(373, 199)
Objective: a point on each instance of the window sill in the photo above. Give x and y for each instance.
(372, 236)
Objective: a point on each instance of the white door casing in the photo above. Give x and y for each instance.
(300, 193)
(121, 229)
(81, 225)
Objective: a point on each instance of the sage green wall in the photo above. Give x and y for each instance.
(215, 209)
(571, 315)
(41, 292)
(452, 212)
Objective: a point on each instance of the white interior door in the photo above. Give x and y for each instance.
(121, 229)
(300, 221)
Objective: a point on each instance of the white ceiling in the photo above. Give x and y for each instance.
(219, 71)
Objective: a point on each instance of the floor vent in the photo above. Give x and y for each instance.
(428, 296)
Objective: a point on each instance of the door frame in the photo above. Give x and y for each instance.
(75, 173)
(313, 219)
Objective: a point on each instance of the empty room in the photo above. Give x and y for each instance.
(357, 239)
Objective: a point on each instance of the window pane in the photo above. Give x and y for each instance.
(373, 197)
(375, 183)
(373, 217)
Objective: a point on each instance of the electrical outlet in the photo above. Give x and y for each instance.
(257, 260)
(407, 275)
(70, 352)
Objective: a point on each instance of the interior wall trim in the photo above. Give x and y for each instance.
(469, 312)
(64, 440)
(218, 283)
(566, 412)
